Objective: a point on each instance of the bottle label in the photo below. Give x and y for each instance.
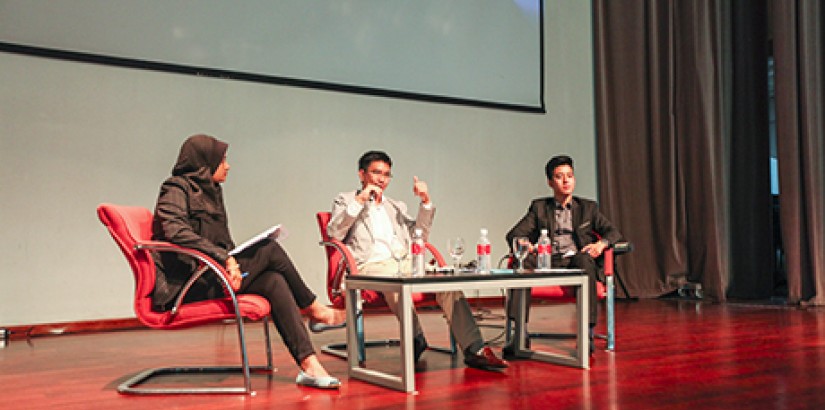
(416, 249)
(483, 249)
(544, 249)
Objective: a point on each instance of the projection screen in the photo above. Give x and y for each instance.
(476, 52)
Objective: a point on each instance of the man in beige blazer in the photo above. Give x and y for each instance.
(368, 221)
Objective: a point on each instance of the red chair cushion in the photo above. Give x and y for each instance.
(563, 293)
(253, 307)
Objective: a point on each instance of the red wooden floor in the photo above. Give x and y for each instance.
(670, 355)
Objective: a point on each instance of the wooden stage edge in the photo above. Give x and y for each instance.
(23, 332)
(28, 331)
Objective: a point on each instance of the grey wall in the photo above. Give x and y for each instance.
(73, 135)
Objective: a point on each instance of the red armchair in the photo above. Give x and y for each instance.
(131, 228)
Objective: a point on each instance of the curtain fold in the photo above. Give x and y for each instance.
(800, 109)
(625, 94)
(663, 140)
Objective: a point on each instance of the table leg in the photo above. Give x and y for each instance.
(406, 382)
(407, 366)
(583, 315)
(353, 345)
(519, 330)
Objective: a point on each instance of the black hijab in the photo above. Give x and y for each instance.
(199, 158)
(198, 153)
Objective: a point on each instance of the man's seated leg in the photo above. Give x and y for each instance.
(465, 330)
(582, 261)
(389, 267)
(513, 301)
(591, 268)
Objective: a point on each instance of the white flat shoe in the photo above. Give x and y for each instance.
(318, 327)
(323, 382)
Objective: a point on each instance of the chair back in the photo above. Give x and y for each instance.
(341, 263)
(131, 226)
(128, 226)
(336, 264)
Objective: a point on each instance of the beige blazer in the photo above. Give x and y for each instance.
(356, 232)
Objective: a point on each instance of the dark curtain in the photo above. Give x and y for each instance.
(682, 109)
(663, 139)
(800, 108)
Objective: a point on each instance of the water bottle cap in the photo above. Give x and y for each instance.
(483, 231)
(544, 231)
(418, 231)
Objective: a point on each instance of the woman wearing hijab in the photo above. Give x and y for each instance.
(190, 212)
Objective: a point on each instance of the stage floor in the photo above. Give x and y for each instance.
(670, 354)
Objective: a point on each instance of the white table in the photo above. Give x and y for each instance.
(519, 281)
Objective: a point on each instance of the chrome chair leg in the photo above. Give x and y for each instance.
(133, 384)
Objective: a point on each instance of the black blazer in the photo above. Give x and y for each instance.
(588, 221)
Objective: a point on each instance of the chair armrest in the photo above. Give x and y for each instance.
(436, 254)
(608, 257)
(205, 262)
(508, 258)
(345, 264)
(622, 247)
(618, 248)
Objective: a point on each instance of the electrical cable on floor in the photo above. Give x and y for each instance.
(485, 314)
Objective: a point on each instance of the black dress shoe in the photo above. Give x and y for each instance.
(508, 351)
(591, 333)
(419, 346)
(484, 360)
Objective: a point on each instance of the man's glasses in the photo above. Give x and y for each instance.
(377, 173)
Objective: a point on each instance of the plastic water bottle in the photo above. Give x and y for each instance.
(545, 249)
(417, 252)
(483, 253)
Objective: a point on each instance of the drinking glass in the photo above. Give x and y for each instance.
(521, 247)
(399, 252)
(456, 248)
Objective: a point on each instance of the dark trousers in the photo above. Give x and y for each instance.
(580, 260)
(272, 275)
